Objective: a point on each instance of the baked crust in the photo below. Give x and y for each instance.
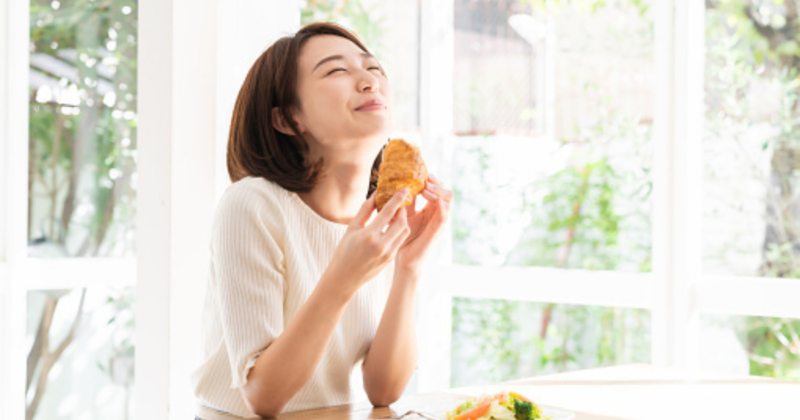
(402, 166)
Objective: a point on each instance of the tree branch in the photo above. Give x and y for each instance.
(42, 336)
(49, 359)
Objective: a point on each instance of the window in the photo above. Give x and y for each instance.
(78, 269)
(552, 158)
(497, 340)
(82, 159)
(750, 182)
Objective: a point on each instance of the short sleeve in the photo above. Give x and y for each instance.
(249, 275)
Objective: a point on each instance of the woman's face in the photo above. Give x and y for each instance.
(345, 98)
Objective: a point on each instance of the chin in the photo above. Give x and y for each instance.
(379, 133)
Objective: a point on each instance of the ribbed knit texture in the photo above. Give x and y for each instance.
(268, 251)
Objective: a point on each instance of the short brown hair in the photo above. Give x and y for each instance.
(255, 147)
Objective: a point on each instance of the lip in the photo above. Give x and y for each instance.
(372, 105)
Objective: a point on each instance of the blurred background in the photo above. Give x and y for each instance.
(551, 157)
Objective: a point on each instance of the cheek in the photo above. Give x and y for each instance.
(323, 108)
(386, 90)
(326, 98)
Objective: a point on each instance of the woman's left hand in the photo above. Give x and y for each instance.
(426, 225)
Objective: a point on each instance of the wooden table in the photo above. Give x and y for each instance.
(622, 392)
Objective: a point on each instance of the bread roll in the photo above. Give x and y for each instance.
(402, 166)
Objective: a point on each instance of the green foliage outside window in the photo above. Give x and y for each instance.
(749, 46)
(82, 142)
(354, 15)
(592, 214)
(753, 81)
(82, 160)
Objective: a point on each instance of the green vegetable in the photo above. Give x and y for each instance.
(524, 410)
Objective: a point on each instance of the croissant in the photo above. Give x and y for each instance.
(402, 166)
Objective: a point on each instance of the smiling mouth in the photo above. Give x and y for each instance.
(374, 106)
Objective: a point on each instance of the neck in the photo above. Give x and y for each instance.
(340, 191)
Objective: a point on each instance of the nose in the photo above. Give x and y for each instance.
(368, 83)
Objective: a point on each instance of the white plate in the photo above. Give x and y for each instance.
(556, 414)
(547, 414)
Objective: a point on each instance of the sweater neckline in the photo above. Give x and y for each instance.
(314, 215)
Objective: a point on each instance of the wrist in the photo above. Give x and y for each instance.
(335, 290)
(412, 269)
(408, 276)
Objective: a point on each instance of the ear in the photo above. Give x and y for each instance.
(280, 123)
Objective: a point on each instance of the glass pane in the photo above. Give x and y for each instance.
(553, 118)
(390, 31)
(81, 354)
(750, 145)
(497, 340)
(750, 345)
(82, 148)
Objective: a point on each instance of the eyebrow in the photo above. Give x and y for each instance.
(337, 57)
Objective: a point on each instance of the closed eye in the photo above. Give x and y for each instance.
(334, 71)
(377, 68)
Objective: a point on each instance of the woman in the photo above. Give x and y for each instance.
(304, 285)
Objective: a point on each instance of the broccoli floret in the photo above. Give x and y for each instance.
(524, 410)
(537, 412)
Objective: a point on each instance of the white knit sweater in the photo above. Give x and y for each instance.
(268, 251)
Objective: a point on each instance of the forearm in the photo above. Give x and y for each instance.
(294, 355)
(392, 357)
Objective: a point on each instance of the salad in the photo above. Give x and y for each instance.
(502, 406)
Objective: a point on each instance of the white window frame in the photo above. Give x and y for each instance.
(14, 38)
(18, 273)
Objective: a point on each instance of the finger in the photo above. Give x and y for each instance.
(440, 191)
(364, 213)
(398, 226)
(433, 202)
(401, 235)
(412, 208)
(389, 209)
(430, 197)
(399, 241)
(436, 225)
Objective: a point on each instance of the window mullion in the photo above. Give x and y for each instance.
(70, 273)
(750, 296)
(554, 285)
(663, 208)
(678, 199)
(14, 61)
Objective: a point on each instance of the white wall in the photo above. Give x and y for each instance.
(192, 60)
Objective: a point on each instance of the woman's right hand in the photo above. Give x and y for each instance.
(365, 248)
